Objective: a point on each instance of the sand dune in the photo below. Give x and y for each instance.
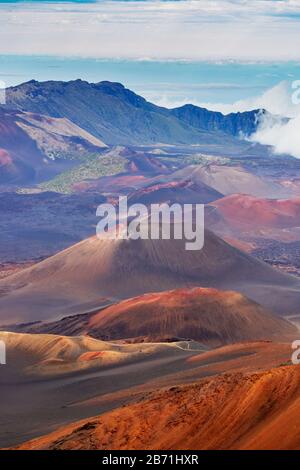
(51, 355)
(83, 277)
(232, 411)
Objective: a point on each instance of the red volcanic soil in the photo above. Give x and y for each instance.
(184, 192)
(241, 211)
(231, 411)
(207, 315)
(90, 356)
(143, 162)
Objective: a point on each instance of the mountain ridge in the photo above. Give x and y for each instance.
(236, 124)
(117, 115)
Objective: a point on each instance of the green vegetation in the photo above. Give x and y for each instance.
(93, 167)
(202, 159)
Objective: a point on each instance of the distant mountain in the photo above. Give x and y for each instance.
(117, 115)
(237, 124)
(34, 147)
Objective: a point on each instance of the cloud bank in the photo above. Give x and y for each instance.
(284, 138)
(282, 135)
(190, 29)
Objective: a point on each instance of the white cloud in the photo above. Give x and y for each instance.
(283, 136)
(191, 29)
(277, 100)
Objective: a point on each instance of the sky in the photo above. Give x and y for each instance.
(152, 29)
(226, 55)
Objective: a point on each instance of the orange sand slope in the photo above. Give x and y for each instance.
(232, 411)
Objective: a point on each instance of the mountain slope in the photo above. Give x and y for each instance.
(244, 212)
(182, 192)
(83, 277)
(269, 228)
(34, 147)
(115, 114)
(90, 175)
(233, 411)
(209, 316)
(206, 315)
(227, 179)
